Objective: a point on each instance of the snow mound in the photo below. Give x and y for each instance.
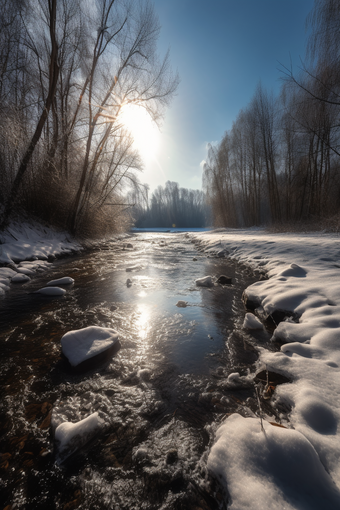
(51, 291)
(293, 270)
(66, 280)
(206, 281)
(82, 344)
(252, 322)
(70, 437)
(275, 468)
(20, 278)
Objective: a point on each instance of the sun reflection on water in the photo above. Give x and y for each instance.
(143, 321)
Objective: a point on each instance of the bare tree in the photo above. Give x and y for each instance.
(53, 73)
(124, 70)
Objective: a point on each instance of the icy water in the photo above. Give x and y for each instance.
(161, 396)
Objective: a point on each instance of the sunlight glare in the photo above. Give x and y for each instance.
(143, 321)
(144, 131)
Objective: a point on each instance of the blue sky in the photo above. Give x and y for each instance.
(221, 49)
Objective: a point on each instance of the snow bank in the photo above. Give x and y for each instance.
(70, 437)
(304, 277)
(28, 241)
(82, 344)
(276, 468)
(27, 249)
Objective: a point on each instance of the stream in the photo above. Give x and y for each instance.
(161, 396)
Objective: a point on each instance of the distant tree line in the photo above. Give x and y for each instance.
(280, 161)
(170, 206)
(67, 68)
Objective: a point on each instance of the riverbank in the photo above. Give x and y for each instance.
(33, 241)
(30, 247)
(27, 247)
(297, 466)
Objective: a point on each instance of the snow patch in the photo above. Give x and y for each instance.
(275, 468)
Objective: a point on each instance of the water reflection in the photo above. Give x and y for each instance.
(143, 321)
(156, 396)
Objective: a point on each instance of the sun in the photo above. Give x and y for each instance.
(143, 129)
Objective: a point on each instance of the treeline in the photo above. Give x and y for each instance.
(280, 161)
(67, 68)
(170, 206)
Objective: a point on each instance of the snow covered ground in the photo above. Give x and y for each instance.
(27, 248)
(295, 467)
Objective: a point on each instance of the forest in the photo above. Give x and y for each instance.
(68, 68)
(170, 206)
(280, 161)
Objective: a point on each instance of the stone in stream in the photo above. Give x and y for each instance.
(66, 280)
(206, 281)
(70, 437)
(85, 348)
(51, 291)
(171, 457)
(181, 304)
(20, 278)
(224, 280)
(252, 322)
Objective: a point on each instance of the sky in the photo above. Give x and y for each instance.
(221, 50)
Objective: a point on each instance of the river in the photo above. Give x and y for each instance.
(161, 396)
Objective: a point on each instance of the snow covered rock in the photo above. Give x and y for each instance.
(206, 281)
(66, 280)
(252, 322)
(7, 272)
(70, 437)
(20, 278)
(25, 270)
(87, 346)
(275, 468)
(51, 291)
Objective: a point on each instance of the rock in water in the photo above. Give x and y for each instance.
(85, 347)
(20, 278)
(181, 304)
(51, 291)
(66, 280)
(206, 281)
(70, 437)
(252, 322)
(224, 280)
